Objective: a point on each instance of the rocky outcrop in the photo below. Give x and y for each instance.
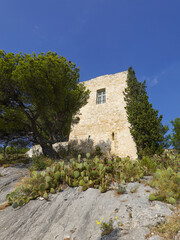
(10, 177)
(37, 149)
(73, 214)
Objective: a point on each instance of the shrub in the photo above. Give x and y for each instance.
(121, 189)
(167, 159)
(148, 165)
(129, 170)
(15, 150)
(96, 173)
(40, 162)
(107, 227)
(87, 172)
(98, 151)
(167, 181)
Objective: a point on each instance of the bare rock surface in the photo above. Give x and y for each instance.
(72, 214)
(10, 176)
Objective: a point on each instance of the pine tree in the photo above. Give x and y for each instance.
(40, 96)
(175, 138)
(145, 124)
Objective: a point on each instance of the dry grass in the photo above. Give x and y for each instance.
(4, 205)
(24, 181)
(170, 228)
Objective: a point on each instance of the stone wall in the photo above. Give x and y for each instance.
(106, 123)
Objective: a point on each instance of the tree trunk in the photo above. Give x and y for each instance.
(48, 151)
(47, 148)
(4, 149)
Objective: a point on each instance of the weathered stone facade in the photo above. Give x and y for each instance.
(106, 121)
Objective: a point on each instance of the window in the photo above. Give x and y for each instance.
(101, 96)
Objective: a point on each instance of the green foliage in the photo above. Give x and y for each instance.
(99, 173)
(86, 172)
(40, 96)
(167, 181)
(167, 159)
(166, 142)
(40, 162)
(52, 190)
(13, 129)
(11, 159)
(172, 200)
(130, 171)
(176, 134)
(152, 197)
(42, 187)
(121, 189)
(57, 175)
(15, 205)
(88, 155)
(14, 150)
(149, 165)
(14, 155)
(76, 174)
(106, 227)
(145, 125)
(98, 151)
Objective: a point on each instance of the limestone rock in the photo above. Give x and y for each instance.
(72, 214)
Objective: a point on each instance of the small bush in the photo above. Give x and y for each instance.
(148, 164)
(15, 150)
(121, 190)
(167, 182)
(107, 227)
(167, 159)
(30, 188)
(129, 170)
(98, 151)
(11, 159)
(40, 162)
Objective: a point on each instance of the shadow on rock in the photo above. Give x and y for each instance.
(114, 235)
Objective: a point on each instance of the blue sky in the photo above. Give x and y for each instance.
(104, 37)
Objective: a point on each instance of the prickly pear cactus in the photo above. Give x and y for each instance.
(86, 172)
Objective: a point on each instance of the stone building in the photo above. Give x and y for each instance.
(103, 119)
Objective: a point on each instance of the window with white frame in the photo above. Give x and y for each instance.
(101, 96)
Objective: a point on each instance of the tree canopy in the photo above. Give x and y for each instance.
(145, 125)
(40, 96)
(175, 138)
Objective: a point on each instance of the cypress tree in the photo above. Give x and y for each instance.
(145, 124)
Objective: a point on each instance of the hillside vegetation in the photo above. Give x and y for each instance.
(100, 172)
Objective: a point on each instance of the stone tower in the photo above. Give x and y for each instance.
(104, 117)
